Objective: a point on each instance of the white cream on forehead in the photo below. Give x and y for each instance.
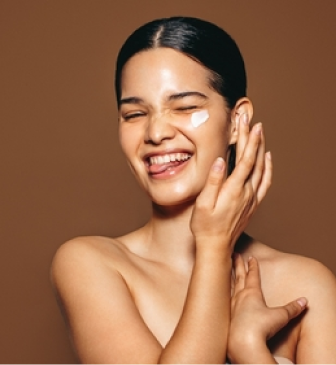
(199, 117)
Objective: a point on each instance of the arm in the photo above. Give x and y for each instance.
(104, 322)
(221, 213)
(317, 340)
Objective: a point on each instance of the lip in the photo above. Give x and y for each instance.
(171, 171)
(165, 152)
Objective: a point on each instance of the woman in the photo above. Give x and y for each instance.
(190, 286)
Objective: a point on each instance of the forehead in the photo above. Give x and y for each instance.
(163, 70)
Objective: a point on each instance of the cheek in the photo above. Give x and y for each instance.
(212, 129)
(128, 137)
(199, 117)
(212, 133)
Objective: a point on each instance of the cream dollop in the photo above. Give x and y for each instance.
(199, 117)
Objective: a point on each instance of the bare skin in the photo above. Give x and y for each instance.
(162, 294)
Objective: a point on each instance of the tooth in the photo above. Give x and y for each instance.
(155, 160)
(166, 158)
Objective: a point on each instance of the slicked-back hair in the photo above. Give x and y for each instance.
(204, 42)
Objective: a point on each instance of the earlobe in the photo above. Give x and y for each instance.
(243, 107)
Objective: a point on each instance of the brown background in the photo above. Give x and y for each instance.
(62, 172)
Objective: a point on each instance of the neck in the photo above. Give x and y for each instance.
(168, 234)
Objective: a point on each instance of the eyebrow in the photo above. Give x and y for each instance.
(186, 94)
(131, 100)
(172, 97)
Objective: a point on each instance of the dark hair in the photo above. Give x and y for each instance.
(203, 41)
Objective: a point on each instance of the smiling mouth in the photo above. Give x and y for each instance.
(166, 163)
(166, 159)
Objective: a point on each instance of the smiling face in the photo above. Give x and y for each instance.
(161, 90)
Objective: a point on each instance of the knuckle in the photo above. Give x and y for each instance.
(239, 277)
(248, 161)
(214, 180)
(249, 198)
(202, 205)
(234, 194)
(291, 310)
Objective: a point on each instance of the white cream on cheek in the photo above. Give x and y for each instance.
(199, 117)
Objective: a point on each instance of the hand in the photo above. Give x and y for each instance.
(252, 322)
(223, 209)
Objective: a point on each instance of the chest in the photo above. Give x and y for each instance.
(160, 299)
(160, 296)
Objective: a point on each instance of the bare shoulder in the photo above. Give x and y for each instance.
(310, 278)
(82, 260)
(294, 274)
(312, 275)
(286, 277)
(85, 251)
(88, 277)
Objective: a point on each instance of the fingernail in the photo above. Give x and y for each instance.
(250, 258)
(303, 302)
(258, 128)
(245, 118)
(268, 155)
(218, 165)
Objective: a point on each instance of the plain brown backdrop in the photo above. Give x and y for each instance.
(62, 171)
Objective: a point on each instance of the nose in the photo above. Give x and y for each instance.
(159, 128)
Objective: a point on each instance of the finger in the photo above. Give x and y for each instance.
(246, 164)
(259, 166)
(253, 274)
(294, 308)
(243, 134)
(266, 178)
(287, 312)
(240, 273)
(208, 196)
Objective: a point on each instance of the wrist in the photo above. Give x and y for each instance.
(249, 349)
(219, 245)
(207, 252)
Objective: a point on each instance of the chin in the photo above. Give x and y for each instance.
(173, 200)
(173, 192)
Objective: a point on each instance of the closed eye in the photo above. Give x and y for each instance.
(133, 116)
(190, 107)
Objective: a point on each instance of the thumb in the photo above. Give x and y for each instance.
(295, 307)
(287, 313)
(209, 194)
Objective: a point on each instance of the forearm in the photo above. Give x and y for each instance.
(201, 334)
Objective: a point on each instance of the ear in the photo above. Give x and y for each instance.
(243, 106)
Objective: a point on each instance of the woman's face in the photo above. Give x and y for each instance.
(170, 156)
